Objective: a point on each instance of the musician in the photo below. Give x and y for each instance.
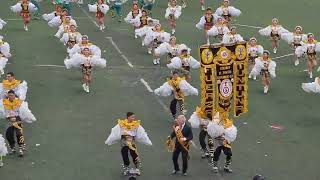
(128, 131)
(183, 134)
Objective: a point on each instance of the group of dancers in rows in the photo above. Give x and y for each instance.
(218, 128)
(13, 108)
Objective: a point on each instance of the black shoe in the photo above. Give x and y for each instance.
(12, 150)
(227, 169)
(184, 174)
(20, 152)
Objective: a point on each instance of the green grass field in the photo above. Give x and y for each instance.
(72, 126)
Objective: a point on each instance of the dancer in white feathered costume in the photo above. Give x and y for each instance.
(4, 54)
(142, 20)
(232, 36)
(71, 38)
(3, 149)
(224, 133)
(2, 24)
(85, 43)
(309, 49)
(185, 62)
(100, 8)
(273, 31)
(10, 83)
(50, 16)
(227, 11)
(24, 8)
(179, 88)
(65, 26)
(201, 119)
(171, 49)
(129, 131)
(154, 38)
(60, 19)
(218, 30)
(206, 22)
(173, 12)
(254, 51)
(86, 62)
(16, 112)
(142, 32)
(295, 38)
(313, 87)
(266, 68)
(135, 11)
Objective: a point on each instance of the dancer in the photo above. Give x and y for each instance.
(4, 54)
(254, 51)
(135, 11)
(201, 119)
(3, 150)
(85, 43)
(313, 87)
(224, 133)
(232, 36)
(171, 49)
(16, 112)
(148, 5)
(55, 13)
(100, 8)
(310, 49)
(59, 19)
(295, 38)
(142, 20)
(86, 62)
(202, 2)
(129, 131)
(10, 83)
(266, 68)
(273, 31)
(218, 30)
(183, 134)
(2, 24)
(173, 12)
(184, 62)
(65, 26)
(37, 12)
(71, 38)
(154, 38)
(24, 7)
(179, 88)
(207, 21)
(115, 5)
(227, 11)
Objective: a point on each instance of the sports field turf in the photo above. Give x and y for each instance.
(72, 126)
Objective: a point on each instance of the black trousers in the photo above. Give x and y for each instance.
(13, 132)
(173, 106)
(227, 151)
(175, 157)
(202, 139)
(125, 156)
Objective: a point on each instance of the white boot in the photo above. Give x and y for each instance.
(275, 50)
(154, 62)
(142, 44)
(87, 89)
(208, 41)
(101, 28)
(173, 31)
(25, 27)
(203, 8)
(318, 69)
(84, 86)
(135, 36)
(310, 75)
(296, 62)
(254, 77)
(265, 89)
(149, 50)
(158, 61)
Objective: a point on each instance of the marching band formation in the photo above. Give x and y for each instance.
(82, 54)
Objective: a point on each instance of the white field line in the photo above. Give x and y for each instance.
(49, 65)
(279, 57)
(91, 19)
(20, 19)
(120, 52)
(249, 26)
(146, 85)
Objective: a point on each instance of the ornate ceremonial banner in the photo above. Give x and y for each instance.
(224, 77)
